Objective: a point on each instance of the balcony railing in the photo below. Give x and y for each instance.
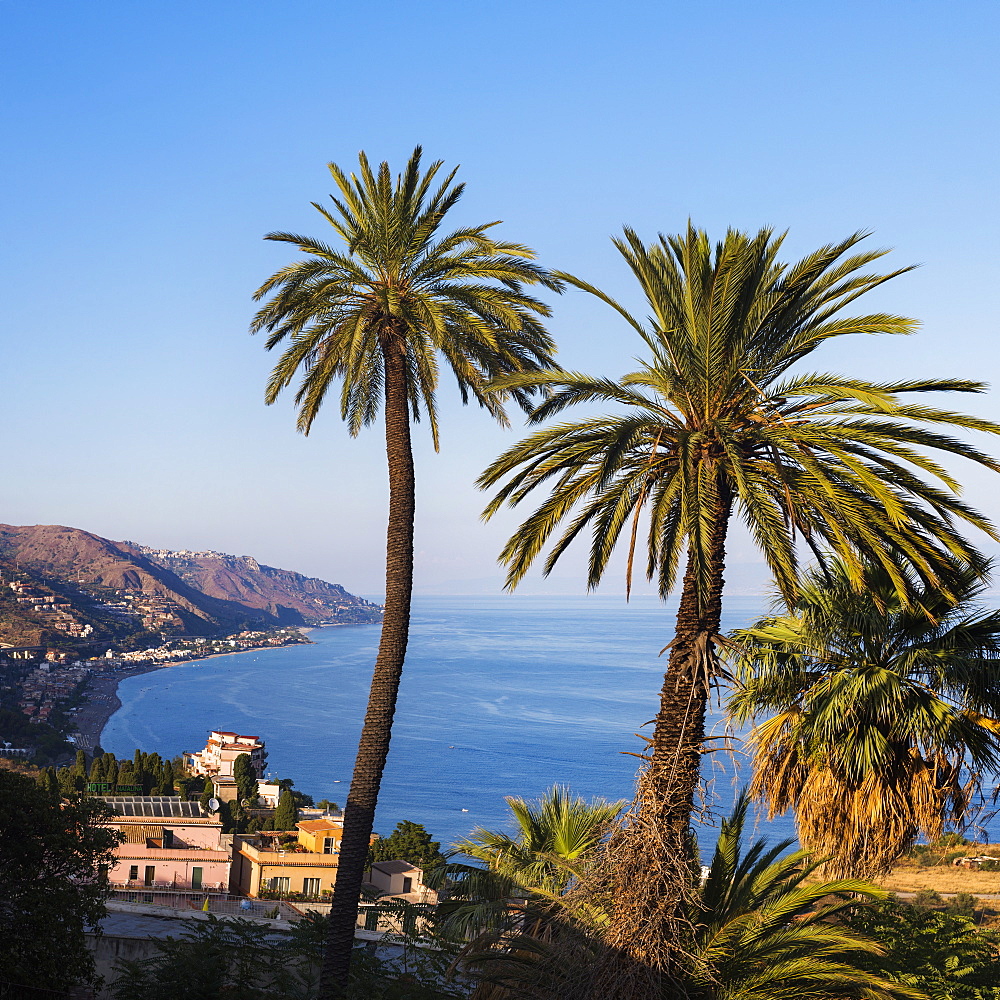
(131, 885)
(279, 856)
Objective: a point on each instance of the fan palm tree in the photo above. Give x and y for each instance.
(715, 423)
(522, 880)
(377, 317)
(882, 714)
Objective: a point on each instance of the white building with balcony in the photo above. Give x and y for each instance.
(221, 751)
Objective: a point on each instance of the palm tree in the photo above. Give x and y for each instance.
(553, 832)
(712, 424)
(762, 928)
(517, 900)
(375, 317)
(765, 928)
(882, 714)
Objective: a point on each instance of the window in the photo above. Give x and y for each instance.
(280, 884)
(133, 873)
(168, 838)
(310, 886)
(330, 845)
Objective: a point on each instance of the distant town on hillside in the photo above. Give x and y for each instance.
(76, 607)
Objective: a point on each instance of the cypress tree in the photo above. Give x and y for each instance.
(167, 779)
(226, 816)
(206, 794)
(68, 778)
(246, 779)
(97, 769)
(126, 776)
(286, 814)
(79, 769)
(51, 782)
(146, 777)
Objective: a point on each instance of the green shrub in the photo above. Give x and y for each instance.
(952, 840)
(963, 904)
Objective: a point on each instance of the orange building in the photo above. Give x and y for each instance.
(264, 863)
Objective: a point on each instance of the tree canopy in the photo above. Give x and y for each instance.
(379, 317)
(53, 861)
(408, 842)
(875, 719)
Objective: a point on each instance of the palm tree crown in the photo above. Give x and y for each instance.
(401, 282)
(766, 929)
(553, 832)
(715, 417)
(881, 714)
(716, 422)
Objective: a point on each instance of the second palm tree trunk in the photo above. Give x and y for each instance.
(373, 748)
(652, 857)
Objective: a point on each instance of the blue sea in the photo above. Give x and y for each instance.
(500, 696)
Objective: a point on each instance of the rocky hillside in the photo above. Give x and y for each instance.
(289, 597)
(58, 581)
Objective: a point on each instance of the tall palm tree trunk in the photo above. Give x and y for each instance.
(651, 858)
(373, 748)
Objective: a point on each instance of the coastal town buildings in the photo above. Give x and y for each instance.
(265, 862)
(269, 863)
(169, 843)
(220, 753)
(46, 685)
(401, 880)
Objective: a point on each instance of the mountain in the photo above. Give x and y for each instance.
(289, 597)
(63, 582)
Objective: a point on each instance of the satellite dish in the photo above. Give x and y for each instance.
(213, 805)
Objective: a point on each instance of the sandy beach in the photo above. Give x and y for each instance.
(102, 694)
(102, 702)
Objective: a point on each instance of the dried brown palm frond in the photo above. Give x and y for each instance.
(883, 714)
(861, 827)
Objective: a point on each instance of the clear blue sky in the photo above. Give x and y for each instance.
(149, 146)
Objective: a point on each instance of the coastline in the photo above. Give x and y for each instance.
(102, 702)
(102, 694)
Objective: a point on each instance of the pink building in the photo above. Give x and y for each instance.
(169, 844)
(220, 754)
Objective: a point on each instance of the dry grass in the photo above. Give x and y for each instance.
(909, 877)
